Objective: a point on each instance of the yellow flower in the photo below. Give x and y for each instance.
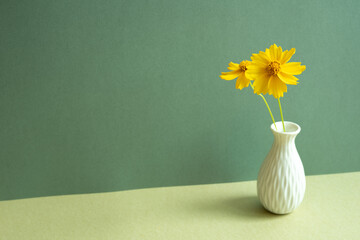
(239, 71)
(271, 71)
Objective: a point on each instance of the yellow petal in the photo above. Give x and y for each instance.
(293, 68)
(261, 59)
(279, 52)
(287, 56)
(287, 78)
(253, 76)
(267, 53)
(274, 52)
(247, 75)
(242, 81)
(276, 86)
(283, 54)
(256, 68)
(261, 84)
(233, 66)
(230, 75)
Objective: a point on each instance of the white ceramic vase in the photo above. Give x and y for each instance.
(281, 180)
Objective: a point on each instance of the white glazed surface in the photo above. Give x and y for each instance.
(281, 179)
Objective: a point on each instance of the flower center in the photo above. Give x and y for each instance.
(273, 68)
(243, 68)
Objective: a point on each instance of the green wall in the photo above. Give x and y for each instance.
(100, 96)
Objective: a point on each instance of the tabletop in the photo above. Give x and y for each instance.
(330, 210)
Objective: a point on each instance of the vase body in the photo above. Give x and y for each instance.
(281, 179)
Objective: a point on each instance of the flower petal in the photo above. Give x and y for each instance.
(293, 68)
(230, 75)
(255, 70)
(242, 81)
(267, 53)
(247, 75)
(287, 78)
(279, 52)
(275, 52)
(286, 57)
(276, 86)
(261, 58)
(283, 54)
(261, 84)
(233, 66)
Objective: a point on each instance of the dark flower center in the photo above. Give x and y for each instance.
(243, 68)
(273, 68)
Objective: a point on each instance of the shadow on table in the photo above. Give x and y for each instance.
(242, 208)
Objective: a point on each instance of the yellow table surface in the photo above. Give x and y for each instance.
(330, 210)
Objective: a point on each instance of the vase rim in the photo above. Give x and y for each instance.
(290, 128)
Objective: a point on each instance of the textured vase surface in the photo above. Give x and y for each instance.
(281, 179)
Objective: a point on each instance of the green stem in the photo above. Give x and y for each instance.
(282, 118)
(267, 105)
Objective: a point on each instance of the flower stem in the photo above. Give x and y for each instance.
(272, 117)
(282, 118)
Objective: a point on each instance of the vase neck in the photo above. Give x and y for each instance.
(291, 131)
(284, 139)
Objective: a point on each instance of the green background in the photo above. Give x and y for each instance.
(100, 96)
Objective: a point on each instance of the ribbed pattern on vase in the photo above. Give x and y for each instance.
(281, 180)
